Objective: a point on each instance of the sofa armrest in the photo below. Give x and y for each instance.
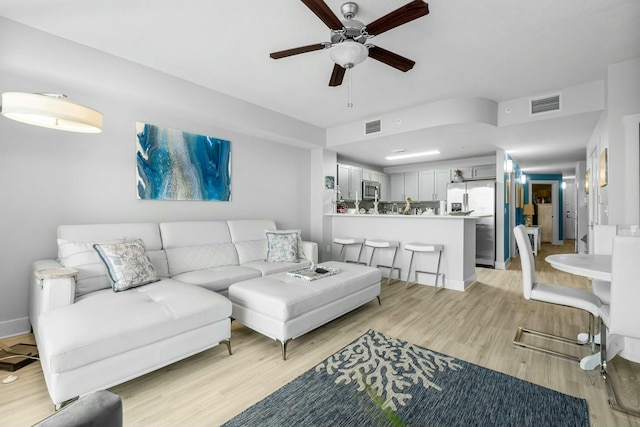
(310, 251)
(52, 286)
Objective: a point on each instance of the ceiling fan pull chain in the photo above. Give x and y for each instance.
(349, 94)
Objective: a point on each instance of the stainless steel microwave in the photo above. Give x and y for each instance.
(370, 189)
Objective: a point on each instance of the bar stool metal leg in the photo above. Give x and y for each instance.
(393, 262)
(424, 248)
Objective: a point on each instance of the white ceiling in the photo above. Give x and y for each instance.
(495, 49)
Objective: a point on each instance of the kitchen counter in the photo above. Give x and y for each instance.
(387, 216)
(456, 233)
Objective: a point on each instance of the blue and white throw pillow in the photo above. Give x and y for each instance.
(127, 264)
(282, 246)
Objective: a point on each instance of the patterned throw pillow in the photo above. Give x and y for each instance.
(300, 247)
(127, 264)
(282, 246)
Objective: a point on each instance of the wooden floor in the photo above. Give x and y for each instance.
(477, 326)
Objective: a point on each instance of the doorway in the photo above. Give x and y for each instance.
(544, 197)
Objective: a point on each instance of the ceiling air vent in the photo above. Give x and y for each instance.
(374, 126)
(545, 104)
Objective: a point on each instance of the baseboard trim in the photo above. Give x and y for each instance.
(13, 327)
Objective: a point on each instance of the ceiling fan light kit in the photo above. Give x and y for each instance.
(348, 54)
(349, 38)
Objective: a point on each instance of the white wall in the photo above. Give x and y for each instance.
(618, 201)
(623, 99)
(50, 177)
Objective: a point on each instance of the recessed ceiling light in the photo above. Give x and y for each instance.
(406, 156)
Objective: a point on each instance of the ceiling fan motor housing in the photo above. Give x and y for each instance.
(352, 30)
(349, 10)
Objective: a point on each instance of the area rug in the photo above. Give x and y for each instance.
(382, 381)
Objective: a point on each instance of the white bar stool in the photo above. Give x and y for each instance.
(425, 248)
(348, 241)
(385, 244)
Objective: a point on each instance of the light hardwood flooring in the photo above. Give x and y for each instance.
(477, 326)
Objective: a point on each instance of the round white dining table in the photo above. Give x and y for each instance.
(596, 267)
(588, 265)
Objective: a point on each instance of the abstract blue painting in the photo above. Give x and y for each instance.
(177, 165)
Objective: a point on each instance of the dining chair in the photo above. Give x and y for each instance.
(553, 294)
(622, 317)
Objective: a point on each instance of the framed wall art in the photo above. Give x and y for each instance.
(604, 168)
(176, 165)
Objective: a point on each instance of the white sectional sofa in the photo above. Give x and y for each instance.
(90, 337)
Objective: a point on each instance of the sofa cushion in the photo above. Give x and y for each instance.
(194, 233)
(92, 273)
(127, 264)
(103, 324)
(192, 258)
(159, 261)
(218, 278)
(243, 230)
(251, 250)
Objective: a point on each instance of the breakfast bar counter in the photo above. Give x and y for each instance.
(456, 233)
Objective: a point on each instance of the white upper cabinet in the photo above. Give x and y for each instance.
(485, 171)
(355, 183)
(443, 178)
(343, 180)
(427, 185)
(385, 187)
(404, 185)
(411, 186)
(397, 187)
(433, 185)
(479, 172)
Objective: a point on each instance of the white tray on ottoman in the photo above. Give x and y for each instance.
(283, 307)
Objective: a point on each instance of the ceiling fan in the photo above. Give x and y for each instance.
(348, 46)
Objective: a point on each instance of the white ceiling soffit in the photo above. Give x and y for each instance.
(499, 50)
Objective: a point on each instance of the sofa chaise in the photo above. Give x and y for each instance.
(90, 337)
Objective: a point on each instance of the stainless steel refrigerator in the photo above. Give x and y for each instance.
(479, 197)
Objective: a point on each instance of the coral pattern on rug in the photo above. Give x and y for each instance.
(387, 367)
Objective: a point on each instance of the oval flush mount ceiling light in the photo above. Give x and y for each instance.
(50, 111)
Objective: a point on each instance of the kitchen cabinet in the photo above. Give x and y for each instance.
(478, 172)
(484, 172)
(350, 181)
(404, 185)
(443, 178)
(397, 187)
(385, 187)
(369, 175)
(433, 185)
(343, 180)
(411, 186)
(355, 183)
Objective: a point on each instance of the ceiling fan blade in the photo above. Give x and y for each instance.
(296, 51)
(402, 15)
(323, 12)
(337, 75)
(393, 59)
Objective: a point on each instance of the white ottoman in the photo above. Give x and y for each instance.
(284, 307)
